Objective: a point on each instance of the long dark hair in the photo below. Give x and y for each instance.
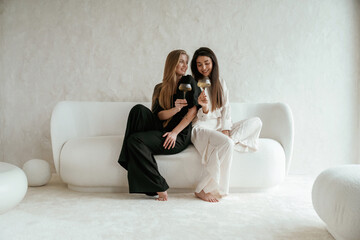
(216, 90)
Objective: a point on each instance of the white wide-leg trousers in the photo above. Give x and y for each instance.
(216, 150)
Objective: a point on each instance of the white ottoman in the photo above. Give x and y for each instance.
(13, 186)
(336, 199)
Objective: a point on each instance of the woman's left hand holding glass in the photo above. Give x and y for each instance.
(180, 103)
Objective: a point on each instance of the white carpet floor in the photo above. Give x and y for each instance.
(54, 212)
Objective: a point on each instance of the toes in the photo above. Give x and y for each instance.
(208, 197)
(161, 199)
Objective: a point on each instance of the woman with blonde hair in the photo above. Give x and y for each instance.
(166, 129)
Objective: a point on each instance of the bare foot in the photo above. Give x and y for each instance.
(208, 197)
(162, 196)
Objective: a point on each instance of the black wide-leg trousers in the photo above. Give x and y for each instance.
(143, 139)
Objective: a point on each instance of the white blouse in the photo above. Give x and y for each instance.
(220, 119)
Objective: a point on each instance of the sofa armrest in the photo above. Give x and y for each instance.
(74, 119)
(278, 123)
(62, 128)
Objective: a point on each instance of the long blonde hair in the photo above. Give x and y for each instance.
(169, 82)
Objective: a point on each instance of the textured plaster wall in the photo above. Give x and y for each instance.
(357, 62)
(304, 53)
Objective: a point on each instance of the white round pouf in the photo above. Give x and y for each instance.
(336, 199)
(37, 171)
(13, 186)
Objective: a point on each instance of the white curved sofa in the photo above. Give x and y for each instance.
(87, 137)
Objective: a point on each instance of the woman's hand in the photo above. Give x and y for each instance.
(226, 132)
(203, 101)
(166, 114)
(180, 103)
(170, 140)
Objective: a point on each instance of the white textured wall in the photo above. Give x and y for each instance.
(304, 53)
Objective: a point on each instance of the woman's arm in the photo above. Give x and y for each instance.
(171, 136)
(226, 110)
(166, 114)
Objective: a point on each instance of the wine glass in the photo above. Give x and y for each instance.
(204, 83)
(185, 87)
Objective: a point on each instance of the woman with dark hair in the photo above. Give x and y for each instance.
(166, 129)
(213, 134)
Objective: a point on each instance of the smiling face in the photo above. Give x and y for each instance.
(204, 65)
(182, 65)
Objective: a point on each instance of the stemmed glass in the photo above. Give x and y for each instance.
(185, 87)
(204, 83)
